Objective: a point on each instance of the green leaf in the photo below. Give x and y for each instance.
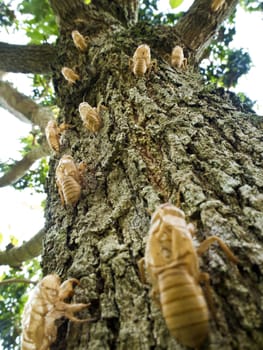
(13, 240)
(87, 2)
(175, 3)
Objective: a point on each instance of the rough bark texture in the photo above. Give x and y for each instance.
(26, 58)
(162, 135)
(198, 26)
(23, 107)
(110, 12)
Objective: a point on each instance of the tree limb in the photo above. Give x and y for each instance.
(99, 15)
(199, 24)
(17, 280)
(28, 250)
(126, 11)
(23, 107)
(21, 167)
(68, 10)
(35, 59)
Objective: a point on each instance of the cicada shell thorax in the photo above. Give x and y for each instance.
(177, 57)
(69, 167)
(79, 40)
(70, 75)
(90, 117)
(169, 238)
(143, 52)
(52, 135)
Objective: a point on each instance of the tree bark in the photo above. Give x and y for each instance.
(198, 26)
(164, 135)
(19, 168)
(35, 59)
(16, 256)
(23, 107)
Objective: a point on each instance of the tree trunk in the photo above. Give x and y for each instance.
(164, 136)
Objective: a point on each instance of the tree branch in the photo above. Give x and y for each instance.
(23, 107)
(17, 280)
(26, 58)
(21, 167)
(126, 11)
(98, 15)
(68, 10)
(198, 26)
(28, 250)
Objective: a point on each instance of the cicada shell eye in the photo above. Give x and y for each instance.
(70, 75)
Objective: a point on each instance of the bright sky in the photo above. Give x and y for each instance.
(18, 209)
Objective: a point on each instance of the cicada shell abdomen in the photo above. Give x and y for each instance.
(71, 190)
(184, 307)
(140, 67)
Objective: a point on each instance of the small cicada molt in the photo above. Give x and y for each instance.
(69, 180)
(90, 116)
(177, 58)
(141, 61)
(79, 40)
(53, 133)
(70, 75)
